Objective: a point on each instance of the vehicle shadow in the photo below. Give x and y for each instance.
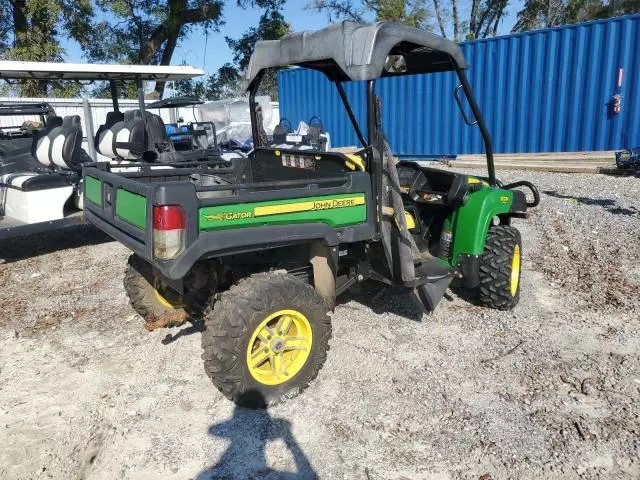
(383, 298)
(606, 203)
(22, 248)
(196, 326)
(249, 430)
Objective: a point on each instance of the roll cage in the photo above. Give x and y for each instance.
(351, 51)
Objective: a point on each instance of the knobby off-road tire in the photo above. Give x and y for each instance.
(149, 303)
(240, 313)
(500, 268)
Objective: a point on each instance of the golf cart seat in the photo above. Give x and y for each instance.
(40, 195)
(129, 136)
(124, 136)
(104, 141)
(59, 144)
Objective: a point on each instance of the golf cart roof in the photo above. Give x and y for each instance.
(85, 71)
(7, 109)
(176, 102)
(353, 51)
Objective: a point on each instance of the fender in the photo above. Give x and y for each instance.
(471, 221)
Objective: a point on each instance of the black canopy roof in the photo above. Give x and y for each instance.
(353, 51)
(175, 102)
(25, 108)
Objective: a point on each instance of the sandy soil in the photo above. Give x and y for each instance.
(549, 390)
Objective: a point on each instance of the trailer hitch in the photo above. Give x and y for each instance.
(530, 186)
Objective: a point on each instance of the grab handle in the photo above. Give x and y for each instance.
(459, 102)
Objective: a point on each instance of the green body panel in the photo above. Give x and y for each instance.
(132, 208)
(471, 221)
(93, 190)
(335, 210)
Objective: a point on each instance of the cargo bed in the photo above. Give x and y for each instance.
(229, 208)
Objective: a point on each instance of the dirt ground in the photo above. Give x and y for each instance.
(549, 390)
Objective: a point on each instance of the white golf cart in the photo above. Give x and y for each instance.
(43, 191)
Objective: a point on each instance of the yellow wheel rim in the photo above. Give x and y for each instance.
(157, 288)
(515, 270)
(279, 347)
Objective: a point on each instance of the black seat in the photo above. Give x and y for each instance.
(58, 147)
(280, 132)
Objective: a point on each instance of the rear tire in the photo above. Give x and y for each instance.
(500, 268)
(155, 302)
(243, 328)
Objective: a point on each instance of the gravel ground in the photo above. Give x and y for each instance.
(549, 390)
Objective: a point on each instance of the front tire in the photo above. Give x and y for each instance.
(500, 268)
(265, 339)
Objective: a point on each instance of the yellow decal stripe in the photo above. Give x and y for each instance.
(308, 206)
(356, 160)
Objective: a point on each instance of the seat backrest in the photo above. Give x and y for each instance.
(41, 143)
(66, 144)
(132, 133)
(158, 140)
(61, 146)
(106, 133)
(279, 134)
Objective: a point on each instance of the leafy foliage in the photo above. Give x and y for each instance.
(412, 12)
(31, 30)
(550, 13)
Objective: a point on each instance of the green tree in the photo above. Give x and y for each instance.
(31, 31)
(412, 12)
(484, 15)
(147, 31)
(537, 14)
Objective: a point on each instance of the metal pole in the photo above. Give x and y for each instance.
(114, 95)
(488, 146)
(143, 110)
(352, 117)
(88, 126)
(253, 88)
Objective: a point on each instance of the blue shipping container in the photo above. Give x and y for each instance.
(544, 91)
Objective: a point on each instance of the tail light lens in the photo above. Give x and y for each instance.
(169, 224)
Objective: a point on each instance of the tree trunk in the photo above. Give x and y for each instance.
(473, 19)
(436, 6)
(20, 25)
(166, 60)
(456, 22)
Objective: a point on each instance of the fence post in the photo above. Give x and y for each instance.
(88, 125)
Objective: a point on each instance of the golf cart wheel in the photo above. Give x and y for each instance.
(500, 268)
(265, 339)
(158, 304)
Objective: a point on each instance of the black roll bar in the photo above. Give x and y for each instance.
(352, 117)
(488, 146)
(253, 88)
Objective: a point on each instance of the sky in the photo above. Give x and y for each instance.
(210, 51)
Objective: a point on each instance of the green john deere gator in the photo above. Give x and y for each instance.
(260, 248)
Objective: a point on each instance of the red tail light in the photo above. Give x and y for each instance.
(169, 223)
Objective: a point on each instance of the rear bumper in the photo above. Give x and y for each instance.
(225, 242)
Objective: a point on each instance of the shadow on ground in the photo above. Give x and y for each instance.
(20, 248)
(606, 203)
(383, 298)
(248, 431)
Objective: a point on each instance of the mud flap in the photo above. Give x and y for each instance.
(428, 296)
(324, 273)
